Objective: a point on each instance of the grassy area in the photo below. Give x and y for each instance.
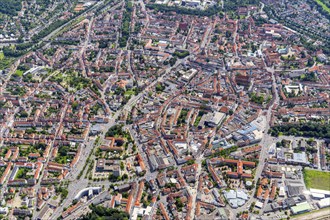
(22, 173)
(198, 119)
(62, 155)
(5, 62)
(317, 179)
(324, 6)
(73, 81)
(129, 92)
(19, 73)
(2, 56)
(2, 170)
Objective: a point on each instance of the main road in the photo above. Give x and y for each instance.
(265, 143)
(76, 185)
(97, 6)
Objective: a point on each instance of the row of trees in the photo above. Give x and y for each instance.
(321, 6)
(47, 30)
(101, 213)
(181, 54)
(58, 23)
(180, 10)
(126, 24)
(316, 130)
(232, 5)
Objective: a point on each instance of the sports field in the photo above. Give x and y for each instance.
(317, 179)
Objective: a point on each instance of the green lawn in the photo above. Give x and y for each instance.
(324, 6)
(129, 92)
(2, 170)
(19, 73)
(2, 56)
(5, 62)
(198, 119)
(317, 179)
(22, 173)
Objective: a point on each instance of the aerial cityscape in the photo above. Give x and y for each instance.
(164, 109)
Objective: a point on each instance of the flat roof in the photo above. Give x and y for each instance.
(318, 195)
(320, 191)
(259, 204)
(301, 207)
(324, 202)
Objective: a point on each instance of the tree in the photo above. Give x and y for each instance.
(160, 87)
(10, 7)
(172, 61)
(24, 114)
(191, 162)
(310, 62)
(75, 105)
(101, 213)
(181, 54)
(315, 130)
